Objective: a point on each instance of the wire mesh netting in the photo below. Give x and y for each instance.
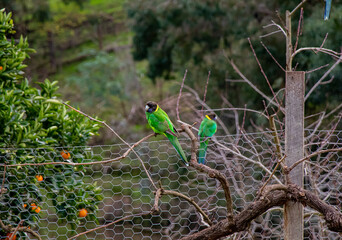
(48, 199)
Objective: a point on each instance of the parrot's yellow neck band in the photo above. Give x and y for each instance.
(207, 117)
(157, 107)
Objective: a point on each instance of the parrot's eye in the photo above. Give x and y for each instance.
(147, 107)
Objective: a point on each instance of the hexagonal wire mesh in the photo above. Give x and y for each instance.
(126, 189)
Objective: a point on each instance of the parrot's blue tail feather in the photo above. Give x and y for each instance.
(327, 9)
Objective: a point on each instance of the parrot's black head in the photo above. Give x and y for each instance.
(211, 116)
(151, 107)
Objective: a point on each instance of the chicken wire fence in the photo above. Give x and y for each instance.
(47, 199)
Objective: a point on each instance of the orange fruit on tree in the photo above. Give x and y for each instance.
(33, 206)
(39, 178)
(25, 205)
(65, 154)
(9, 235)
(37, 210)
(83, 212)
(1, 67)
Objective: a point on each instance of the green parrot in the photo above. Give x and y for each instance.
(207, 129)
(160, 123)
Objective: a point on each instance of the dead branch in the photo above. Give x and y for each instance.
(289, 169)
(322, 78)
(86, 163)
(205, 90)
(180, 94)
(190, 200)
(275, 195)
(212, 173)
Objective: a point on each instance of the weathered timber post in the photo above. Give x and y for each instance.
(294, 138)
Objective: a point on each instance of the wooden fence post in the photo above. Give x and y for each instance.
(294, 150)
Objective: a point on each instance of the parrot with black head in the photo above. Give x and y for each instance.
(207, 129)
(160, 123)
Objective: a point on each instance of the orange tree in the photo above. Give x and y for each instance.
(33, 128)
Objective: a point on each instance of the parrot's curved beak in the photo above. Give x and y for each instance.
(146, 108)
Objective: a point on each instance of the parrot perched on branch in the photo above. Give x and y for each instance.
(160, 123)
(207, 129)
(327, 9)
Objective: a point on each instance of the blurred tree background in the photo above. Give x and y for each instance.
(110, 57)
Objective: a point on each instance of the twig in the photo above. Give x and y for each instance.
(236, 109)
(275, 60)
(299, 28)
(274, 170)
(86, 163)
(275, 137)
(325, 38)
(316, 69)
(205, 90)
(112, 130)
(289, 169)
(263, 73)
(322, 78)
(252, 85)
(8, 228)
(16, 230)
(317, 49)
(210, 172)
(158, 193)
(3, 181)
(277, 25)
(298, 6)
(180, 94)
(190, 200)
(109, 224)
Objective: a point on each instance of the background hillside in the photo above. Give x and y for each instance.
(111, 56)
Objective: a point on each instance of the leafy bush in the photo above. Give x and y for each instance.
(36, 128)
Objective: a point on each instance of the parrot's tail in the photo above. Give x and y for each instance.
(202, 151)
(175, 143)
(327, 9)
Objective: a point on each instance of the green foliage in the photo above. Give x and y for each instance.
(196, 35)
(34, 125)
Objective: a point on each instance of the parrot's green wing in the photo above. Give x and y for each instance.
(160, 122)
(207, 129)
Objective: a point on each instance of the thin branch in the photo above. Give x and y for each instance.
(274, 170)
(253, 86)
(8, 228)
(16, 230)
(275, 195)
(158, 193)
(118, 136)
(205, 90)
(109, 224)
(86, 163)
(316, 69)
(277, 25)
(180, 94)
(299, 28)
(317, 49)
(298, 6)
(199, 100)
(2, 189)
(237, 109)
(190, 200)
(322, 78)
(289, 169)
(263, 73)
(271, 33)
(212, 173)
(275, 60)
